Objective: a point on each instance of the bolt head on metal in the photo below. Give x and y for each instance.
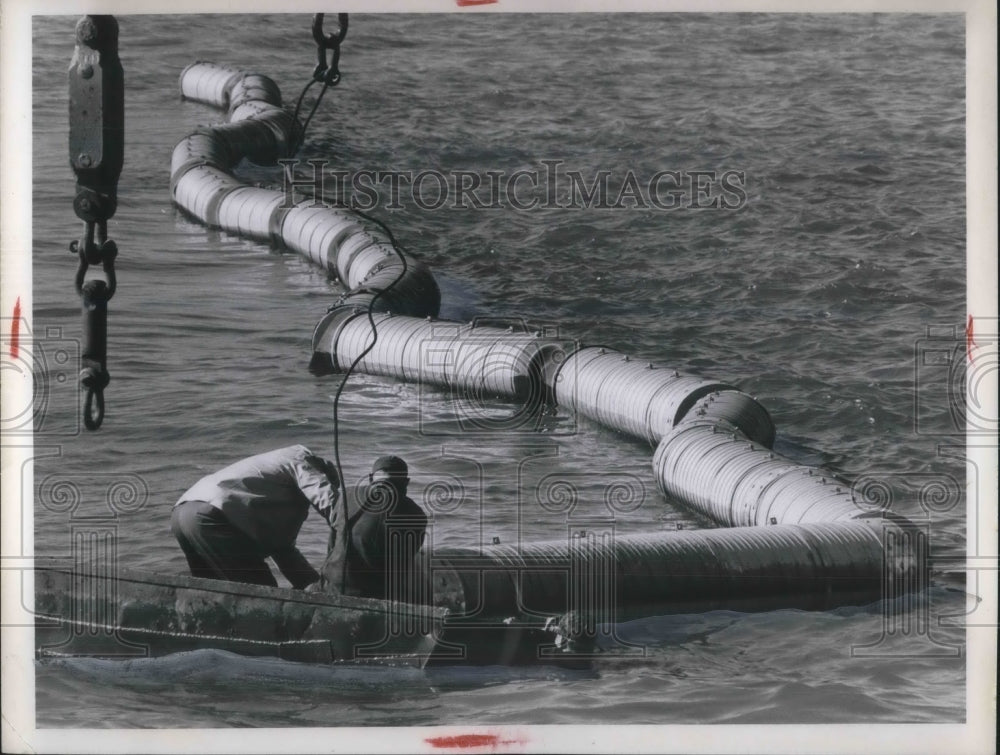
(86, 30)
(87, 71)
(84, 159)
(85, 205)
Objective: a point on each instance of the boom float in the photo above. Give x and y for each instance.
(790, 536)
(259, 130)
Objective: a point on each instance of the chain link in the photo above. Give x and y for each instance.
(96, 151)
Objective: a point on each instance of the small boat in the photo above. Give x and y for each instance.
(124, 613)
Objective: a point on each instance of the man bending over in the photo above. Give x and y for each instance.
(228, 523)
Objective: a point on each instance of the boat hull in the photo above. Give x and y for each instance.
(125, 613)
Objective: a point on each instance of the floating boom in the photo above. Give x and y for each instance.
(792, 536)
(261, 131)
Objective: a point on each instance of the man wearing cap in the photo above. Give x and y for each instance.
(385, 529)
(229, 522)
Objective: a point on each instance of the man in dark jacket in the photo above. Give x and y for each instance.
(374, 556)
(229, 522)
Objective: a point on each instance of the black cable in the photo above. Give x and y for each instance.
(400, 253)
(371, 321)
(298, 104)
(301, 137)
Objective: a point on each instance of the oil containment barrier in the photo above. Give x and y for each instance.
(646, 401)
(481, 360)
(738, 483)
(814, 567)
(261, 131)
(790, 536)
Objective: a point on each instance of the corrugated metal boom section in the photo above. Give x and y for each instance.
(483, 361)
(740, 410)
(318, 232)
(646, 401)
(811, 567)
(633, 397)
(738, 483)
(252, 87)
(208, 83)
(259, 130)
(200, 190)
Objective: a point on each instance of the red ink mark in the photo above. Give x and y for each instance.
(969, 341)
(15, 329)
(465, 3)
(463, 741)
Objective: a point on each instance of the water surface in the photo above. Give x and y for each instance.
(816, 297)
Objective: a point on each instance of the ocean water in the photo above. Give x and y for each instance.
(819, 294)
